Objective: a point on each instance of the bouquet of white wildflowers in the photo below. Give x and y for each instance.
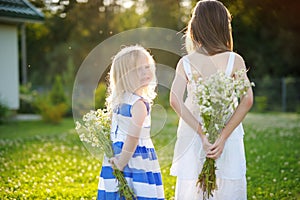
(95, 131)
(217, 99)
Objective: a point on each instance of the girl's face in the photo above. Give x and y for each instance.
(144, 72)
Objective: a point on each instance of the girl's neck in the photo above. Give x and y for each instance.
(139, 91)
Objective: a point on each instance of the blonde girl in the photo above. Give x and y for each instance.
(210, 43)
(132, 84)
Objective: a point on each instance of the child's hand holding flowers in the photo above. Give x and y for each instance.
(217, 97)
(95, 131)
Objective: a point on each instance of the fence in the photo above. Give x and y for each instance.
(277, 94)
(270, 95)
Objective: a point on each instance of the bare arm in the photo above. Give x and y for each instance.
(239, 114)
(242, 109)
(176, 102)
(138, 112)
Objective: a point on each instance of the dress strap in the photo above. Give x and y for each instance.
(134, 98)
(187, 68)
(230, 64)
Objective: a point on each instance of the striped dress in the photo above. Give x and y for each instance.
(143, 171)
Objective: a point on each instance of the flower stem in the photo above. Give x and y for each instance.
(124, 189)
(207, 178)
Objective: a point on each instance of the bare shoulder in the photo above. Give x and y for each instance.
(239, 62)
(238, 57)
(180, 63)
(139, 110)
(179, 67)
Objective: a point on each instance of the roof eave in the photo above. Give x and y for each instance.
(19, 20)
(8, 14)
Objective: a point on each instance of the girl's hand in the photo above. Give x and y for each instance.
(139, 113)
(115, 163)
(216, 149)
(205, 144)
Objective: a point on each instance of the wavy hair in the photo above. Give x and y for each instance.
(123, 75)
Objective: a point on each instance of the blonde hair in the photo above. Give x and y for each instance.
(210, 27)
(123, 75)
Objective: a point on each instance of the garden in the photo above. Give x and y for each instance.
(45, 161)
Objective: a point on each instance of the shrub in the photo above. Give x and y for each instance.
(52, 113)
(100, 96)
(261, 103)
(27, 98)
(57, 94)
(3, 111)
(53, 105)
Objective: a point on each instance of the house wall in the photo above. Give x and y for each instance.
(9, 66)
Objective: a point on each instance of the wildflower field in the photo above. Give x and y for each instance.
(44, 161)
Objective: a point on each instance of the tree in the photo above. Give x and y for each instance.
(265, 32)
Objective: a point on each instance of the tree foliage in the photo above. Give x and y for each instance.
(265, 32)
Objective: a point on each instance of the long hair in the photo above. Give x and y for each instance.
(210, 27)
(123, 75)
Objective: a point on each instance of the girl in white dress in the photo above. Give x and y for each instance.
(210, 33)
(132, 84)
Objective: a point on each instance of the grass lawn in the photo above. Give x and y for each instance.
(44, 161)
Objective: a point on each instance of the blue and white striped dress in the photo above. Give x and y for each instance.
(143, 171)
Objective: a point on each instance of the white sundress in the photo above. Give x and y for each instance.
(189, 155)
(143, 171)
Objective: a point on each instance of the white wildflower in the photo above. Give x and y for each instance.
(217, 97)
(95, 131)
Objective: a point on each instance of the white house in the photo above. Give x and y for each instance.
(13, 16)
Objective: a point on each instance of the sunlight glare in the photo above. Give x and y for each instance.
(185, 3)
(126, 3)
(81, 1)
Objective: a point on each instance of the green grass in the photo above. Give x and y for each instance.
(272, 143)
(40, 161)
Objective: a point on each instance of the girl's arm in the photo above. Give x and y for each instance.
(139, 113)
(242, 109)
(176, 102)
